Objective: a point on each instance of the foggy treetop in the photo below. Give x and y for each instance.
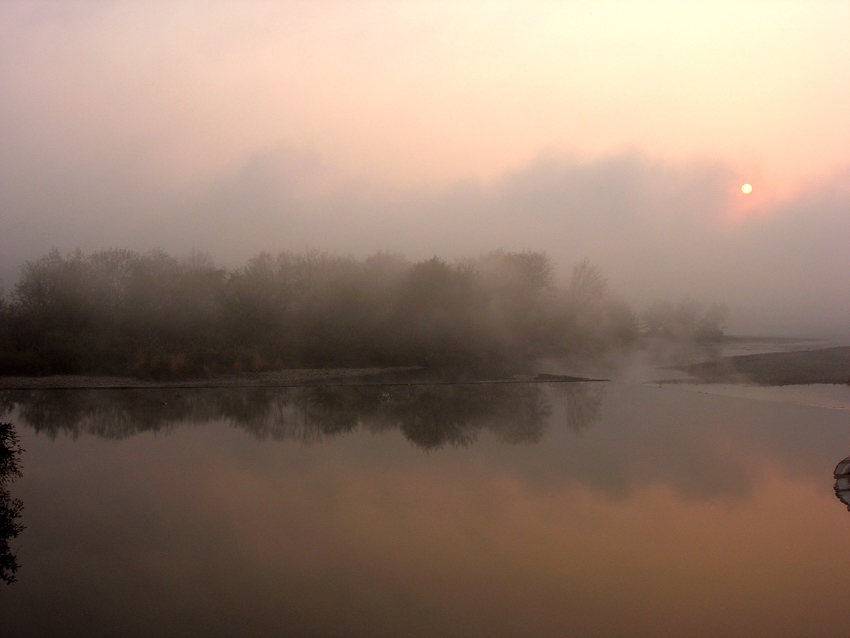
(122, 312)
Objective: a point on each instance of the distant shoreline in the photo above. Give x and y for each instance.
(410, 375)
(281, 378)
(799, 367)
(756, 339)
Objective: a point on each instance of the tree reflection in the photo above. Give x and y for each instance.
(429, 415)
(10, 508)
(583, 403)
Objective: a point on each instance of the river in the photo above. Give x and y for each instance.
(525, 509)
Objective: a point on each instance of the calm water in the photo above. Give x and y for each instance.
(504, 510)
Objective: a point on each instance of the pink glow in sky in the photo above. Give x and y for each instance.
(434, 91)
(130, 123)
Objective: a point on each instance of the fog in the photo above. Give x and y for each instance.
(653, 228)
(226, 132)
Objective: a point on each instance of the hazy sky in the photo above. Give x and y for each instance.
(621, 131)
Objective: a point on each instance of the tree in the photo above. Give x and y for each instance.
(587, 286)
(687, 321)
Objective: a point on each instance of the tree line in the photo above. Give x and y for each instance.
(153, 314)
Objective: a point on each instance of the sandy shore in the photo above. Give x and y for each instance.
(825, 365)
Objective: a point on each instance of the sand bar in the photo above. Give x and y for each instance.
(824, 365)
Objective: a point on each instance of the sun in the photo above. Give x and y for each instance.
(746, 189)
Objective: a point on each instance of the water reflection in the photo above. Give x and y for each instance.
(10, 508)
(429, 416)
(583, 403)
(668, 507)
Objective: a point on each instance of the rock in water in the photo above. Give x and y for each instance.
(842, 481)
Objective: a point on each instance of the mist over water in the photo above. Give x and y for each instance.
(420, 319)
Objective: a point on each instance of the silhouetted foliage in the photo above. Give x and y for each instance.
(154, 315)
(10, 508)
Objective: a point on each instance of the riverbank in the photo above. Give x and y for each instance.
(823, 365)
(799, 367)
(280, 378)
